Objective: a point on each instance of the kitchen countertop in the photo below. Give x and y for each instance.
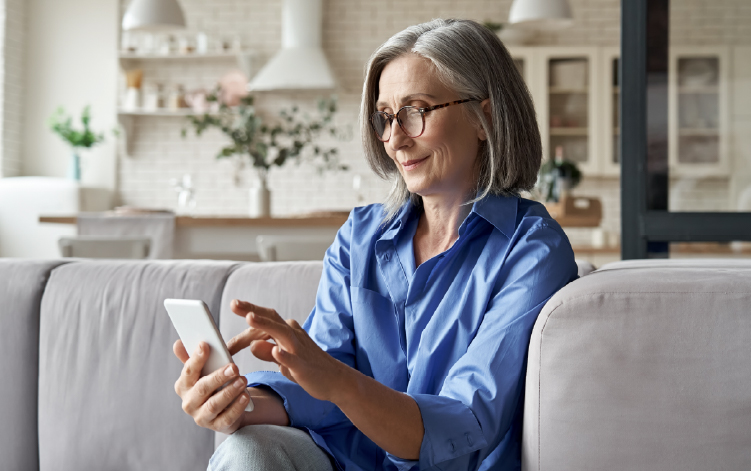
(330, 220)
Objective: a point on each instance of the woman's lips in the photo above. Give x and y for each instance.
(411, 164)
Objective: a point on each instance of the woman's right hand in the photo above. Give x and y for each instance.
(221, 411)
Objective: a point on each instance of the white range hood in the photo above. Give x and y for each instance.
(301, 63)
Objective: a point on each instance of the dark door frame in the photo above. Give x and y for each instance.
(641, 225)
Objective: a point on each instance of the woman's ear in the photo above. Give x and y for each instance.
(485, 104)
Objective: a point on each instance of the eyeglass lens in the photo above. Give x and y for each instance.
(409, 118)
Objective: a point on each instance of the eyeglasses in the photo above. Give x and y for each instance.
(410, 118)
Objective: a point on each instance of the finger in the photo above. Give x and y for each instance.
(244, 339)
(239, 307)
(262, 350)
(242, 308)
(293, 323)
(282, 333)
(282, 358)
(287, 373)
(192, 369)
(231, 413)
(180, 351)
(246, 307)
(216, 404)
(207, 386)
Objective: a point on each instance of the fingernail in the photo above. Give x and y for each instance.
(243, 399)
(199, 350)
(239, 383)
(229, 371)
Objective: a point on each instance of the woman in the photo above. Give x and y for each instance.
(414, 355)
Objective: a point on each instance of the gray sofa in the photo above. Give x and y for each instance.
(639, 365)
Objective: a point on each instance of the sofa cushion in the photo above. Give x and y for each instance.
(643, 365)
(106, 367)
(22, 283)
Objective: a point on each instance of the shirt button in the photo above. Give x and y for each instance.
(451, 446)
(386, 256)
(469, 439)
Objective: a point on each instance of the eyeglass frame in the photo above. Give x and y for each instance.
(422, 111)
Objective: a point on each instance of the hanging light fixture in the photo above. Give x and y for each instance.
(153, 15)
(540, 14)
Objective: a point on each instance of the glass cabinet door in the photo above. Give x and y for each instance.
(697, 106)
(569, 104)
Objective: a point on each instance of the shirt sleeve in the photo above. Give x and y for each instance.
(482, 393)
(330, 325)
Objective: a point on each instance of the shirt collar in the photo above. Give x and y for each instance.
(400, 220)
(500, 211)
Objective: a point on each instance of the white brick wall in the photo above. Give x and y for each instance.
(12, 91)
(352, 30)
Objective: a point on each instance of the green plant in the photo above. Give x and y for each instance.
(290, 138)
(493, 26)
(552, 172)
(62, 125)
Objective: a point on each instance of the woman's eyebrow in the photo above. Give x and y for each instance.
(407, 98)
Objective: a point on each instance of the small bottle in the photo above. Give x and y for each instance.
(177, 98)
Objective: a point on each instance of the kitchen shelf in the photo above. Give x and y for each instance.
(213, 55)
(568, 131)
(708, 132)
(567, 91)
(699, 90)
(181, 113)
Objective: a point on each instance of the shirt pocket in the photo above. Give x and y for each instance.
(380, 337)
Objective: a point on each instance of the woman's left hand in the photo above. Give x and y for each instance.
(299, 358)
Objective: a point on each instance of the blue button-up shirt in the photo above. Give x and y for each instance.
(452, 333)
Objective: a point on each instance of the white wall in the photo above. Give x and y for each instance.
(12, 88)
(70, 61)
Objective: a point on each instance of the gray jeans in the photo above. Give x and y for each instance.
(269, 447)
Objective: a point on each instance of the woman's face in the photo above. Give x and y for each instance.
(442, 160)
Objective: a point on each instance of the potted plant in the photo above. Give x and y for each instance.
(558, 177)
(85, 138)
(267, 145)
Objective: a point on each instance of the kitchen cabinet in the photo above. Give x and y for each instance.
(576, 94)
(698, 111)
(565, 84)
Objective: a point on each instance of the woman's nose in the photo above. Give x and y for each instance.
(399, 139)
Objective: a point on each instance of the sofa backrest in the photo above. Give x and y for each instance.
(643, 365)
(22, 283)
(106, 367)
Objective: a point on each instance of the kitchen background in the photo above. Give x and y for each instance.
(55, 51)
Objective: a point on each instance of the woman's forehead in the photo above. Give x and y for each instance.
(409, 77)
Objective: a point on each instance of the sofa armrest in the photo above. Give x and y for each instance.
(643, 366)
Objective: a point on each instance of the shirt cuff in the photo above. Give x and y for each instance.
(451, 430)
(303, 409)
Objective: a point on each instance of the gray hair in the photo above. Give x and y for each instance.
(469, 59)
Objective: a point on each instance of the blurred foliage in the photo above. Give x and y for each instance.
(554, 170)
(493, 26)
(291, 137)
(62, 125)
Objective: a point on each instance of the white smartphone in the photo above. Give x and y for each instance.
(194, 324)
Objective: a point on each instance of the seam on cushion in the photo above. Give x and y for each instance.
(539, 389)
(591, 295)
(744, 268)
